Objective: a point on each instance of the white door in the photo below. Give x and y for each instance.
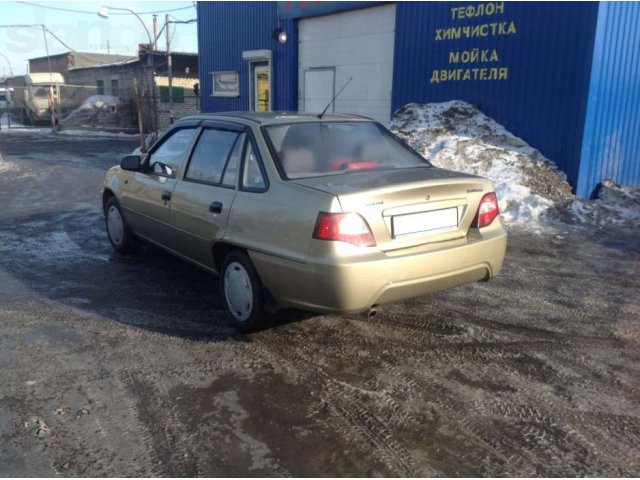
(319, 89)
(357, 44)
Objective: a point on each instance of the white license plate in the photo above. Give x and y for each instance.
(425, 223)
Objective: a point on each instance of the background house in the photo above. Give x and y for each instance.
(149, 69)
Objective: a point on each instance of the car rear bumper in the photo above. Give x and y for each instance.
(356, 286)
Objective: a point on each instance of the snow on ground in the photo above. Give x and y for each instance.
(5, 166)
(96, 133)
(4, 123)
(17, 128)
(457, 136)
(614, 205)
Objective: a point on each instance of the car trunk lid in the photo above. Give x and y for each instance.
(408, 207)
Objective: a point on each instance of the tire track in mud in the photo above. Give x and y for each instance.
(455, 351)
(540, 415)
(461, 416)
(162, 436)
(356, 417)
(537, 432)
(559, 349)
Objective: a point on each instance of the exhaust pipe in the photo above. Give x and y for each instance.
(372, 313)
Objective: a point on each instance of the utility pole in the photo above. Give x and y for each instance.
(169, 69)
(155, 32)
(167, 27)
(52, 97)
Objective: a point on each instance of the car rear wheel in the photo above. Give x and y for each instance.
(241, 289)
(120, 236)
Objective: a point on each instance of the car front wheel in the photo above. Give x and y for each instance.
(241, 289)
(120, 236)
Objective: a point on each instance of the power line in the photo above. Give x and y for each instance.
(46, 30)
(93, 13)
(56, 37)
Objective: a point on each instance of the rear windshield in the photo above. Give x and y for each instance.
(315, 149)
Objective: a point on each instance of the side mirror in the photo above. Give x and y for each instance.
(131, 163)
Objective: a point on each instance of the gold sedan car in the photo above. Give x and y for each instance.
(324, 213)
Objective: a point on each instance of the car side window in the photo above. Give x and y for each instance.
(210, 155)
(252, 176)
(231, 170)
(167, 158)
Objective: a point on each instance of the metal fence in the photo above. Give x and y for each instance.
(76, 107)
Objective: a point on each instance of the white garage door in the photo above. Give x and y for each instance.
(356, 44)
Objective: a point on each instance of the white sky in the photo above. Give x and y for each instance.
(84, 31)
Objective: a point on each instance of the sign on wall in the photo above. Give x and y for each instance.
(226, 84)
(488, 20)
(301, 9)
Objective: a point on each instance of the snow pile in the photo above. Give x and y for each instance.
(99, 102)
(97, 111)
(457, 136)
(614, 205)
(5, 166)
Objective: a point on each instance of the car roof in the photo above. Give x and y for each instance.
(274, 118)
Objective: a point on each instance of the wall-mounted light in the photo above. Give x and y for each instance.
(280, 35)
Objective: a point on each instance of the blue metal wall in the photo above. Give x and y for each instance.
(571, 87)
(225, 30)
(542, 99)
(611, 143)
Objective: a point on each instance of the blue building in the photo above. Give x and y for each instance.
(563, 76)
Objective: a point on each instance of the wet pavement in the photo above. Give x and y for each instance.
(123, 366)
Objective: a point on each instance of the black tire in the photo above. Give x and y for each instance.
(244, 298)
(121, 238)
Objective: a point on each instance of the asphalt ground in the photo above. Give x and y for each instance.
(122, 366)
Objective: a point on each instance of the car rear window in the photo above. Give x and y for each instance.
(327, 148)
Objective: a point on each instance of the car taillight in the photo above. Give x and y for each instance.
(344, 227)
(487, 211)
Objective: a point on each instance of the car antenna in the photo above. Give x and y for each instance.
(334, 98)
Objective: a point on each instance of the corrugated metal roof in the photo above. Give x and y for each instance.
(85, 59)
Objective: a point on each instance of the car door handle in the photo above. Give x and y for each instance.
(215, 207)
(166, 195)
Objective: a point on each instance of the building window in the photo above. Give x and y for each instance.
(100, 87)
(115, 87)
(225, 84)
(178, 94)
